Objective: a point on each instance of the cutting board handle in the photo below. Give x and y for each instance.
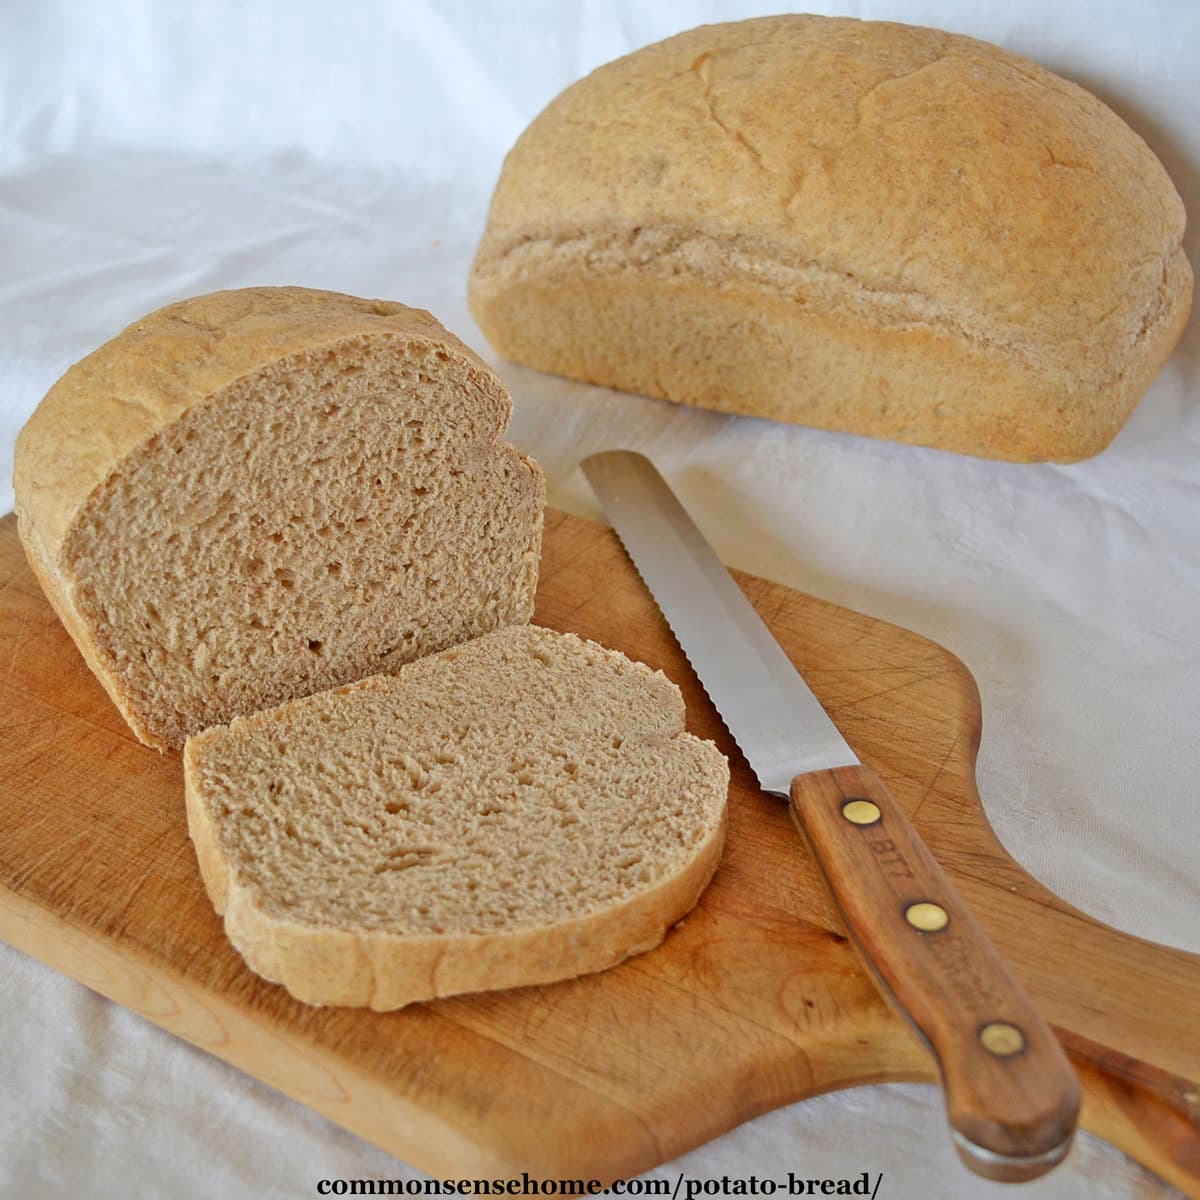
(1152, 1115)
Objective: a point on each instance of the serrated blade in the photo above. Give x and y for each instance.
(776, 720)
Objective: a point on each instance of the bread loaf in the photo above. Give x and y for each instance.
(519, 809)
(855, 225)
(258, 494)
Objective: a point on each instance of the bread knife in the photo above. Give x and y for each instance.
(1012, 1099)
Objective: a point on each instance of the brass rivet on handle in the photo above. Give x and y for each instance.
(861, 812)
(927, 917)
(1002, 1039)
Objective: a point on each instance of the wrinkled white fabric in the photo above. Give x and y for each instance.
(152, 151)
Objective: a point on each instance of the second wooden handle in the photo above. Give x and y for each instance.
(1011, 1096)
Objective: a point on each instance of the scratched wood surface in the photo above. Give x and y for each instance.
(757, 1000)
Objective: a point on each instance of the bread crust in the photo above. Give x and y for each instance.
(857, 225)
(113, 402)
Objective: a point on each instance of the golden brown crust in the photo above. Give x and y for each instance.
(61, 601)
(905, 232)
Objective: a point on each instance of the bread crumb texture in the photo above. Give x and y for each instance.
(259, 494)
(856, 225)
(522, 808)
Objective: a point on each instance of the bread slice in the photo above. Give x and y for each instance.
(857, 225)
(259, 494)
(519, 809)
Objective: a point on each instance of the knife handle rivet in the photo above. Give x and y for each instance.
(1002, 1039)
(927, 917)
(861, 812)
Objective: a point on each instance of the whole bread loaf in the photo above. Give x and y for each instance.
(855, 225)
(523, 808)
(258, 494)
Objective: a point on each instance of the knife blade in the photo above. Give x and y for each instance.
(1012, 1099)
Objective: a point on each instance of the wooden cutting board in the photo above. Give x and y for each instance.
(755, 1001)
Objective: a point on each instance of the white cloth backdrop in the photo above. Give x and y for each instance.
(150, 151)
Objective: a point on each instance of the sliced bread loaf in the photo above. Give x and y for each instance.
(519, 809)
(258, 494)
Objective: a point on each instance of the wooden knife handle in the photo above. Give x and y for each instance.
(1011, 1096)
